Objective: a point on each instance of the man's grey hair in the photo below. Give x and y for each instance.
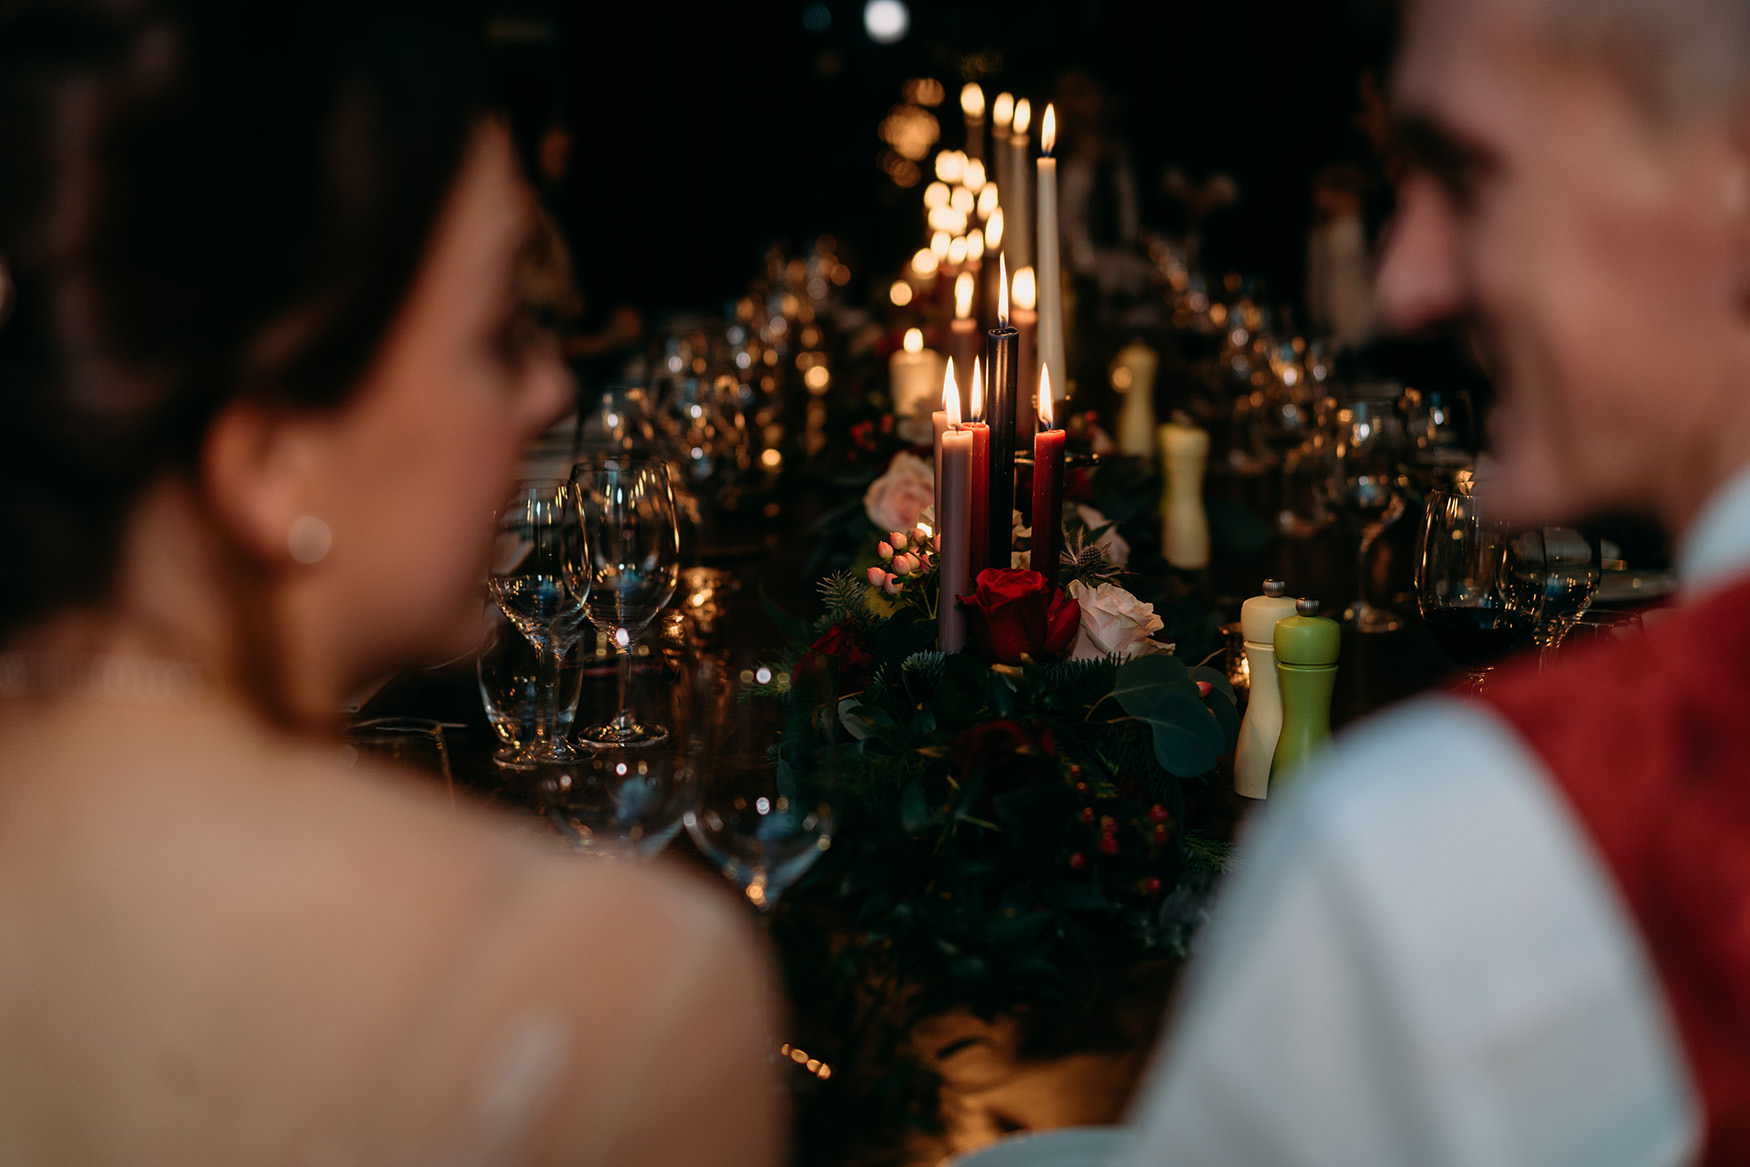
(1681, 57)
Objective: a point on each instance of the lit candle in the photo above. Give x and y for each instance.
(914, 373)
(953, 526)
(1000, 347)
(1050, 278)
(963, 329)
(972, 105)
(993, 244)
(1017, 185)
(1047, 487)
(980, 487)
(1026, 322)
(939, 426)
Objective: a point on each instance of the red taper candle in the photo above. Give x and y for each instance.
(1047, 486)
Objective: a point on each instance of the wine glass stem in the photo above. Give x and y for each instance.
(623, 719)
(547, 696)
(1368, 534)
(1477, 677)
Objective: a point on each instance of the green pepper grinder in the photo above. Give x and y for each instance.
(1307, 645)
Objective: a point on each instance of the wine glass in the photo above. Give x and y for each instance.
(1573, 566)
(1366, 482)
(625, 801)
(533, 564)
(628, 568)
(1479, 583)
(508, 670)
(761, 830)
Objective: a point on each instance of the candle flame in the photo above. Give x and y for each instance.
(951, 396)
(1026, 290)
(951, 166)
(975, 248)
(914, 340)
(1023, 115)
(1045, 419)
(939, 245)
(972, 100)
(975, 175)
(925, 262)
(936, 195)
(977, 391)
(957, 250)
(1002, 110)
(1003, 291)
(1048, 131)
(987, 200)
(962, 200)
(900, 292)
(963, 296)
(993, 230)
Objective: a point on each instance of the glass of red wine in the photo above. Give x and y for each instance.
(1479, 582)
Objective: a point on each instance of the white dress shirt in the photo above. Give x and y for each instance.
(1421, 960)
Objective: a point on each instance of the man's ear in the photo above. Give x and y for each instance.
(257, 477)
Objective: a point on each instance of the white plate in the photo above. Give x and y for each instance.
(1627, 587)
(1078, 1146)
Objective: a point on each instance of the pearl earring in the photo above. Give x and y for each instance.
(309, 539)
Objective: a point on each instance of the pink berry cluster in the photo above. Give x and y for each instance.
(905, 555)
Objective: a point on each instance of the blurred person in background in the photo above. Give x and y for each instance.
(1512, 930)
(263, 380)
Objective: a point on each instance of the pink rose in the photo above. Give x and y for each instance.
(896, 499)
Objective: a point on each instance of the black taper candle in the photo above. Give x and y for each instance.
(1002, 354)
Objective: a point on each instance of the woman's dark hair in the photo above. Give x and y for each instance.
(199, 200)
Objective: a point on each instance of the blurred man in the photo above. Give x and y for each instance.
(1517, 930)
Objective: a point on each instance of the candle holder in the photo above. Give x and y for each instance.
(1234, 663)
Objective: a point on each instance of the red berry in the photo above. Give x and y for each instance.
(1157, 813)
(1088, 815)
(1153, 885)
(1078, 861)
(1109, 845)
(1109, 824)
(1081, 787)
(1204, 688)
(1161, 833)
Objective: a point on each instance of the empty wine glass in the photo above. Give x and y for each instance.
(625, 802)
(1479, 583)
(1572, 566)
(761, 830)
(1366, 482)
(508, 670)
(628, 568)
(533, 563)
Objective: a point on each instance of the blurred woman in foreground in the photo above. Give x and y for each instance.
(262, 381)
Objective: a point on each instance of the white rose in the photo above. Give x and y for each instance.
(896, 499)
(1117, 551)
(1114, 623)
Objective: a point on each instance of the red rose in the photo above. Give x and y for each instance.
(842, 644)
(1014, 613)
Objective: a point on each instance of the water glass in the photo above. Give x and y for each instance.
(1573, 564)
(1366, 482)
(413, 743)
(1602, 626)
(508, 671)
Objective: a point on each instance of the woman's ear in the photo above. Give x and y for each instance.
(258, 476)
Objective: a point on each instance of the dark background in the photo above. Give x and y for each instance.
(706, 132)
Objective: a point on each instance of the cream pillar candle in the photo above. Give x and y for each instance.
(1184, 524)
(914, 376)
(1133, 376)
